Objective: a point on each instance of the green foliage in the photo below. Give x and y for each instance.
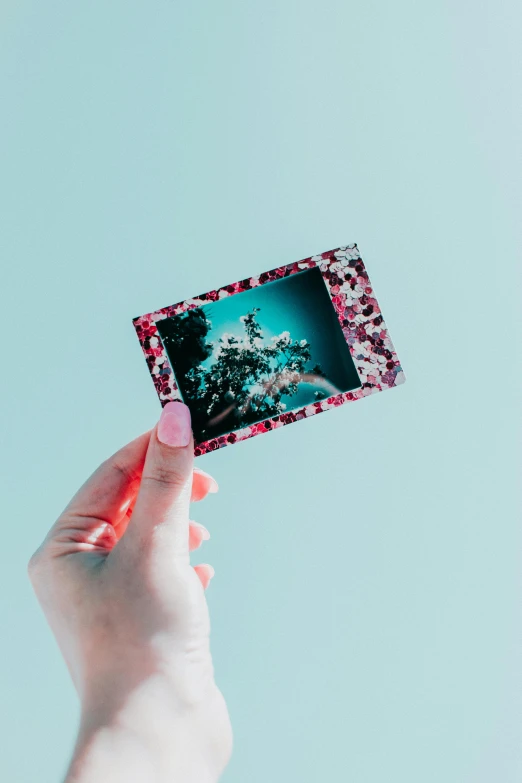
(247, 378)
(184, 337)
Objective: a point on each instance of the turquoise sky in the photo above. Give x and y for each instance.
(299, 304)
(366, 608)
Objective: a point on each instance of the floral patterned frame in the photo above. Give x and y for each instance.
(359, 314)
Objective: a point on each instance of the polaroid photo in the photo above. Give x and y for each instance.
(271, 349)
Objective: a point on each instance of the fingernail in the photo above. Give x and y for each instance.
(205, 573)
(213, 486)
(174, 425)
(204, 532)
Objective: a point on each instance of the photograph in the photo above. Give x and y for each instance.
(258, 353)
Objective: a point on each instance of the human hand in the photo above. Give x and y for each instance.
(129, 613)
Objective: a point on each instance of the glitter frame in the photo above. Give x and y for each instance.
(359, 315)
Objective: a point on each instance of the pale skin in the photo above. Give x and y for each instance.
(129, 613)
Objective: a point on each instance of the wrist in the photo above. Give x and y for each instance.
(143, 737)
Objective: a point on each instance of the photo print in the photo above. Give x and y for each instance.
(271, 349)
(258, 354)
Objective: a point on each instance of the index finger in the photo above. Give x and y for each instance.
(110, 493)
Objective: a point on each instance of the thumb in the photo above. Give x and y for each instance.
(162, 504)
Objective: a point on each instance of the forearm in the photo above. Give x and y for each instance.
(142, 741)
(115, 756)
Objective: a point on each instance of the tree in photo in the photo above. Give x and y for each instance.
(247, 378)
(185, 339)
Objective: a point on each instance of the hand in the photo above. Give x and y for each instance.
(114, 579)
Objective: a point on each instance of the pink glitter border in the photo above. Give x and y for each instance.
(359, 314)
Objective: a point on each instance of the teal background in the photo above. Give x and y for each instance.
(366, 608)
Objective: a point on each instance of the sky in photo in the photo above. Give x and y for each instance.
(301, 305)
